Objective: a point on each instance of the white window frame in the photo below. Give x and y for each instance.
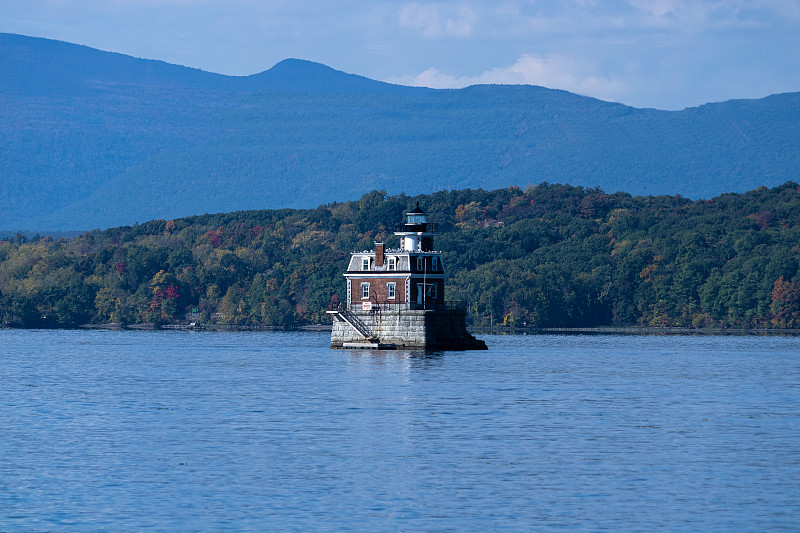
(365, 291)
(420, 263)
(429, 290)
(392, 263)
(434, 263)
(365, 263)
(391, 290)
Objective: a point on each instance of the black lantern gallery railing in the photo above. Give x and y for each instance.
(428, 227)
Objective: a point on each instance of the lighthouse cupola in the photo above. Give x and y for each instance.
(417, 233)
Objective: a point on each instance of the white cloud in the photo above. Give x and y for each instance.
(662, 53)
(670, 16)
(435, 20)
(138, 4)
(702, 15)
(554, 71)
(783, 8)
(657, 8)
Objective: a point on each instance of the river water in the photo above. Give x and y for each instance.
(198, 431)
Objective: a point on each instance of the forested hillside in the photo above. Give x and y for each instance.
(551, 255)
(92, 139)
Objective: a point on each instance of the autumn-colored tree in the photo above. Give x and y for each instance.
(553, 255)
(165, 294)
(785, 305)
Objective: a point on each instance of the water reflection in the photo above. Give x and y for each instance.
(274, 430)
(404, 360)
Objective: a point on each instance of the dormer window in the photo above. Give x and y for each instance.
(420, 262)
(365, 263)
(392, 263)
(434, 263)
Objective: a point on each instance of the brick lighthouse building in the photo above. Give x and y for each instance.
(396, 299)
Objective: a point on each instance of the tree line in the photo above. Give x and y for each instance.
(546, 256)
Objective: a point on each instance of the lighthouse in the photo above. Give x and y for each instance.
(396, 297)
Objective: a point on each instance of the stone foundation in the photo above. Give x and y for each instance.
(416, 329)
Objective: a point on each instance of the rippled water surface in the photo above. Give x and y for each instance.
(116, 430)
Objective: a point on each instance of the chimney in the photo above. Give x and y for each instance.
(378, 254)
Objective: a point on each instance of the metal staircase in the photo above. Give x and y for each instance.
(350, 317)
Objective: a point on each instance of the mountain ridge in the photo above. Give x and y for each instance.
(98, 139)
(82, 66)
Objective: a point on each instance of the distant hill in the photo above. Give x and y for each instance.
(96, 139)
(549, 256)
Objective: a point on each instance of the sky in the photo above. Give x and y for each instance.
(666, 54)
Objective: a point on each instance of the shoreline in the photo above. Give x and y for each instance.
(496, 330)
(631, 330)
(201, 327)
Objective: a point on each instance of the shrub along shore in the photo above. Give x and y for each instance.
(549, 256)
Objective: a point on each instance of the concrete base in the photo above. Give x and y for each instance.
(417, 329)
(368, 346)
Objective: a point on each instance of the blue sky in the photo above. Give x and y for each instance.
(667, 54)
